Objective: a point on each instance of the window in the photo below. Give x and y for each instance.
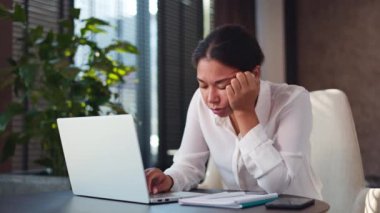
(133, 21)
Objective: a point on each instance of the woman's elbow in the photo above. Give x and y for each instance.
(277, 181)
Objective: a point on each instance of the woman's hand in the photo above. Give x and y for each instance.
(242, 94)
(157, 181)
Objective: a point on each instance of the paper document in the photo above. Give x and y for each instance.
(229, 200)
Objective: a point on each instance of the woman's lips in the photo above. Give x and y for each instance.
(218, 111)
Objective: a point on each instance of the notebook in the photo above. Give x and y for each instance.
(103, 159)
(235, 200)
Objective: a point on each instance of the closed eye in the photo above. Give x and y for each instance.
(202, 85)
(222, 86)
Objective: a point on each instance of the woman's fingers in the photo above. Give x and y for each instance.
(242, 91)
(230, 92)
(251, 78)
(153, 178)
(242, 79)
(157, 181)
(235, 84)
(242, 82)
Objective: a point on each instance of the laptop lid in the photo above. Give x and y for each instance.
(103, 157)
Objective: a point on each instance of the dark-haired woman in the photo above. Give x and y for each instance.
(256, 131)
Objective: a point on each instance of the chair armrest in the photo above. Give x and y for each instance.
(372, 200)
(367, 201)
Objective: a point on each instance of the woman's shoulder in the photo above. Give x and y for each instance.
(286, 93)
(196, 100)
(197, 95)
(283, 89)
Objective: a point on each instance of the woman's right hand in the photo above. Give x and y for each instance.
(157, 181)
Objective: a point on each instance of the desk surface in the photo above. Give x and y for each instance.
(66, 202)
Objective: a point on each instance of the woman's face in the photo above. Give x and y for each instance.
(213, 77)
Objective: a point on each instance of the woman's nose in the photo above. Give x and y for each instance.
(213, 96)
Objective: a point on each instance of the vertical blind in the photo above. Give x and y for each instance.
(180, 27)
(144, 75)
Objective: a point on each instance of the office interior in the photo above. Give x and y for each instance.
(315, 44)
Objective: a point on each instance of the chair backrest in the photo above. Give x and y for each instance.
(212, 178)
(335, 153)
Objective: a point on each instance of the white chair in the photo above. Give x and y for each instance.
(212, 178)
(335, 156)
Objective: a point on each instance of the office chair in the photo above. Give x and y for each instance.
(335, 156)
(212, 178)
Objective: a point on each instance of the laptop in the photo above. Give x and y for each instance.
(103, 159)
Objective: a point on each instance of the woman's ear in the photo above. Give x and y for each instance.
(257, 71)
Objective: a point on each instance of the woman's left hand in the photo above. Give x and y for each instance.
(243, 92)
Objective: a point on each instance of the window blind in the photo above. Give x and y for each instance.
(180, 27)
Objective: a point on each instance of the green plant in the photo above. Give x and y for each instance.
(49, 85)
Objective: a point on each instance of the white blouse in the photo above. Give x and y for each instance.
(274, 156)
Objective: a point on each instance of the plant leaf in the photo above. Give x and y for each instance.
(71, 72)
(4, 12)
(92, 25)
(36, 35)
(12, 110)
(64, 40)
(7, 81)
(44, 162)
(122, 47)
(96, 21)
(75, 13)
(28, 72)
(116, 108)
(8, 148)
(19, 14)
(7, 77)
(12, 62)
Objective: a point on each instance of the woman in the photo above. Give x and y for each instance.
(257, 131)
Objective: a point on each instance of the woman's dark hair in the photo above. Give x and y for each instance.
(231, 45)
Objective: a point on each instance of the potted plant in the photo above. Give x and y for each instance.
(49, 85)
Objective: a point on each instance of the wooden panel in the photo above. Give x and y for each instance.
(235, 12)
(5, 53)
(339, 47)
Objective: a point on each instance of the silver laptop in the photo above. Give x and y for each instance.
(103, 159)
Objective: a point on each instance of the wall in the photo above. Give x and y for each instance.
(270, 35)
(338, 46)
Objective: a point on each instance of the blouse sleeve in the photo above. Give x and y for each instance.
(274, 161)
(188, 167)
